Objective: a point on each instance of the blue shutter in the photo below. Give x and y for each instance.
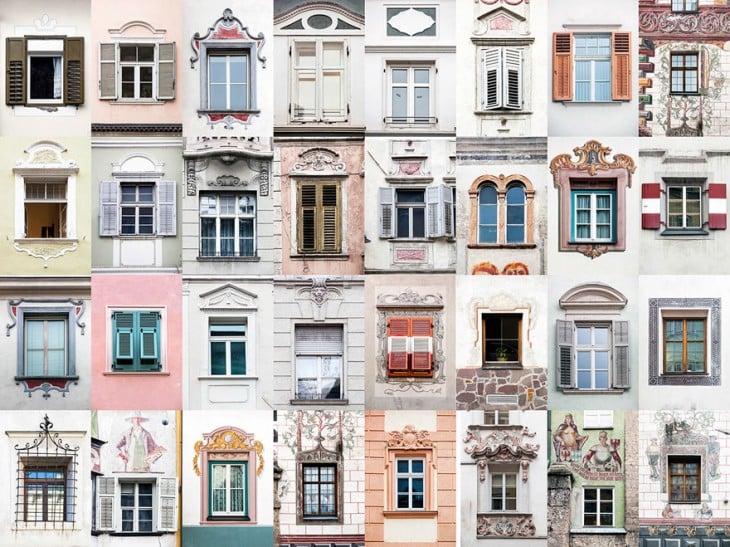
(149, 341)
(123, 326)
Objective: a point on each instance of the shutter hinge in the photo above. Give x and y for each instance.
(348, 50)
(289, 108)
(290, 51)
(348, 108)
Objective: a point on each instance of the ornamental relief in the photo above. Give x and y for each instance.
(505, 444)
(703, 23)
(508, 526)
(410, 438)
(228, 439)
(319, 162)
(227, 27)
(592, 158)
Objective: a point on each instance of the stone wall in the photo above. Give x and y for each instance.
(473, 385)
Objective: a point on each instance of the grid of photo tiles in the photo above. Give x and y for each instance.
(348, 273)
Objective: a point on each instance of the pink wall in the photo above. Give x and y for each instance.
(142, 390)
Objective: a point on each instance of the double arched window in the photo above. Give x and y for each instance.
(501, 210)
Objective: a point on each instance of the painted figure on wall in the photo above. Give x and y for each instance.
(137, 448)
(603, 456)
(713, 458)
(567, 440)
(653, 452)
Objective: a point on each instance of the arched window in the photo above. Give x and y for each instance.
(487, 214)
(515, 214)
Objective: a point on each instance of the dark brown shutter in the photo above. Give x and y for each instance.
(15, 71)
(73, 68)
(307, 218)
(330, 218)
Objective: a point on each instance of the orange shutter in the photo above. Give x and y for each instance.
(422, 346)
(621, 66)
(398, 345)
(562, 66)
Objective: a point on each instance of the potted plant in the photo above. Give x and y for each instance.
(502, 353)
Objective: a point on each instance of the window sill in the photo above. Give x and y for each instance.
(135, 534)
(681, 374)
(502, 112)
(319, 256)
(135, 373)
(410, 514)
(502, 365)
(597, 530)
(319, 520)
(47, 240)
(323, 121)
(684, 233)
(501, 245)
(47, 378)
(575, 391)
(228, 377)
(602, 103)
(228, 519)
(319, 402)
(225, 112)
(136, 101)
(411, 239)
(607, 242)
(229, 259)
(136, 237)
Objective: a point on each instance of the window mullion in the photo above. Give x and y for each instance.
(318, 79)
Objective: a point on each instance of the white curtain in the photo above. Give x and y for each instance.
(57, 74)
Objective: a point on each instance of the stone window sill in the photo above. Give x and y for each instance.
(572, 391)
(319, 402)
(410, 514)
(605, 530)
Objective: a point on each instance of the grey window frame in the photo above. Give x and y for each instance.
(65, 312)
(218, 47)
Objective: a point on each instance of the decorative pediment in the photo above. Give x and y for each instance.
(137, 29)
(318, 17)
(501, 20)
(410, 299)
(410, 438)
(593, 296)
(45, 155)
(318, 454)
(228, 297)
(227, 27)
(319, 301)
(319, 162)
(136, 165)
(592, 158)
(228, 181)
(229, 439)
(504, 444)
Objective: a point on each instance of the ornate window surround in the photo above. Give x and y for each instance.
(411, 443)
(319, 455)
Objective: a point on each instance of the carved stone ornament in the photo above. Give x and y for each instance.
(506, 444)
(592, 157)
(318, 454)
(228, 181)
(505, 526)
(229, 439)
(705, 24)
(45, 253)
(410, 438)
(410, 298)
(227, 27)
(509, 2)
(319, 161)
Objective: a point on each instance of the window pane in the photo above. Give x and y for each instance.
(332, 93)
(332, 54)
(600, 336)
(417, 466)
(217, 358)
(399, 103)
(306, 55)
(400, 75)
(238, 358)
(419, 222)
(421, 75)
(421, 103)
(46, 80)
(239, 69)
(217, 69)
(217, 97)
(583, 336)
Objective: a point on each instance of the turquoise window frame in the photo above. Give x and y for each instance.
(573, 216)
(141, 351)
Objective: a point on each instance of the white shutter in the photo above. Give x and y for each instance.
(109, 208)
(105, 493)
(166, 71)
(387, 212)
(512, 78)
(447, 207)
(491, 78)
(166, 203)
(434, 216)
(167, 504)
(621, 357)
(108, 71)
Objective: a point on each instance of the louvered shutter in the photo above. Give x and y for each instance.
(167, 504)
(123, 338)
(421, 345)
(717, 201)
(15, 71)
(650, 206)
(565, 361)
(105, 493)
(320, 340)
(166, 71)
(621, 358)
(107, 71)
(398, 345)
(512, 94)
(73, 64)
(109, 208)
(149, 338)
(562, 66)
(447, 203)
(434, 209)
(387, 212)
(621, 66)
(491, 78)
(307, 217)
(330, 200)
(166, 208)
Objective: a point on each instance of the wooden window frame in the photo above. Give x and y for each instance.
(684, 200)
(598, 512)
(409, 370)
(136, 361)
(684, 460)
(136, 205)
(319, 516)
(430, 476)
(62, 203)
(163, 71)
(319, 71)
(502, 184)
(319, 221)
(683, 70)
(684, 344)
(486, 338)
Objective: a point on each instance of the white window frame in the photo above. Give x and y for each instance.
(503, 60)
(227, 56)
(63, 204)
(137, 205)
(136, 507)
(410, 118)
(410, 475)
(319, 358)
(503, 473)
(598, 419)
(228, 339)
(496, 417)
(410, 206)
(593, 216)
(592, 348)
(209, 48)
(319, 71)
(236, 225)
(108, 502)
(44, 47)
(137, 65)
(702, 212)
(598, 513)
(592, 59)
(246, 493)
(680, 6)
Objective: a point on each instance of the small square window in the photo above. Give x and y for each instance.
(496, 417)
(684, 5)
(597, 506)
(685, 479)
(411, 95)
(411, 483)
(502, 334)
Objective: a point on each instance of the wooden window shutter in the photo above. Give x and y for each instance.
(512, 93)
(422, 346)
(491, 78)
(149, 337)
(434, 220)
(399, 330)
(562, 66)
(717, 205)
(73, 69)
(166, 208)
(307, 217)
(105, 493)
(109, 208)
(123, 338)
(621, 66)
(651, 206)
(108, 71)
(565, 361)
(447, 202)
(387, 212)
(330, 223)
(621, 356)
(167, 504)
(166, 71)
(15, 71)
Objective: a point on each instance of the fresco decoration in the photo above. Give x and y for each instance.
(568, 441)
(298, 428)
(137, 447)
(487, 268)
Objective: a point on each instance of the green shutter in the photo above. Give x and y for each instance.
(149, 343)
(15, 71)
(123, 338)
(73, 64)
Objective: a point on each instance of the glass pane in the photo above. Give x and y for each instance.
(417, 466)
(602, 379)
(673, 330)
(515, 234)
(306, 366)
(217, 97)
(217, 69)
(515, 214)
(217, 358)
(421, 75)
(603, 80)
(600, 336)
(403, 486)
(421, 103)
(145, 54)
(584, 379)
(399, 75)
(402, 466)
(331, 388)
(332, 93)
(584, 360)
(419, 222)
(487, 234)
(306, 94)
(239, 100)
(601, 360)
(306, 55)
(582, 80)
(239, 69)
(238, 358)
(128, 53)
(695, 329)
(399, 103)
(583, 336)
(402, 223)
(307, 389)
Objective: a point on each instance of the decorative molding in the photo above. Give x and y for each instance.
(410, 438)
(509, 2)
(410, 299)
(227, 181)
(411, 21)
(62, 385)
(502, 444)
(319, 162)
(227, 27)
(593, 296)
(45, 155)
(710, 23)
(505, 526)
(45, 253)
(79, 308)
(229, 120)
(165, 128)
(229, 439)
(226, 297)
(592, 157)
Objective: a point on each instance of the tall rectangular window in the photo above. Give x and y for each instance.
(502, 78)
(592, 67)
(137, 67)
(136, 500)
(597, 506)
(593, 356)
(228, 81)
(319, 80)
(227, 338)
(227, 225)
(411, 484)
(228, 489)
(45, 209)
(593, 215)
(45, 346)
(684, 72)
(319, 359)
(411, 94)
(504, 491)
(685, 345)
(44, 493)
(685, 478)
(319, 484)
(137, 209)
(319, 217)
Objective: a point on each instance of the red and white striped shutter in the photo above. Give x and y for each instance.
(650, 206)
(422, 345)
(717, 205)
(398, 344)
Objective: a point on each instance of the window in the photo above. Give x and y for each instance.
(504, 491)
(136, 505)
(137, 209)
(44, 493)
(45, 209)
(684, 72)
(597, 506)
(227, 225)
(319, 80)
(45, 346)
(593, 353)
(410, 210)
(496, 417)
(319, 484)
(683, 206)
(137, 65)
(137, 72)
(488, 207)
(501, 333)
(411, 483)
(228, 82)
(592, 67)
(685, 345)
(502, 78)
(685, 479)
(136, 341)
(416, 214)
(44, 71)
(593, 214)
(410, 346)
(410, 94)
(319, 217)
(227, 339)
(319, 361)
(502, 207)
(228, 490)
(684, 5)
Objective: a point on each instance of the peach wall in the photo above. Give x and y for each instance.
(162, 15)
(143, 390)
